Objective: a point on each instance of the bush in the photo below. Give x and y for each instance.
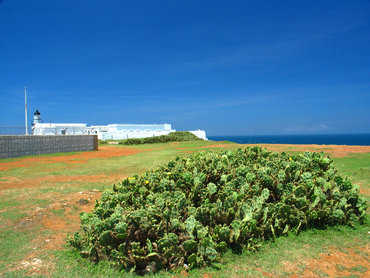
(102, 142)
(171, 137)
(194, 208)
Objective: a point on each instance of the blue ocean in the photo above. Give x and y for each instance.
(332, 139)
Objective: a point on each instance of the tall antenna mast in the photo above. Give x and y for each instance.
(25, 108)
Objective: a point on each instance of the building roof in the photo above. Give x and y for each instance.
(48, 125)
(37, 112)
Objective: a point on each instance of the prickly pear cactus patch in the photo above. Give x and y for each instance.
(193, 209)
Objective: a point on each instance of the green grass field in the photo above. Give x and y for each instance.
(39, 206)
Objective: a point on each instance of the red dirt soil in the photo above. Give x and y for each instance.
(334, 150)
(13, 182)
(103, 152)
(335, 263)
(58, 226)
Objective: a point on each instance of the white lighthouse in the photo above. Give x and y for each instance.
(36, 117)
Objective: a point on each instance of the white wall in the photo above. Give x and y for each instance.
(200, 133)
(59, 129)
(127, 135)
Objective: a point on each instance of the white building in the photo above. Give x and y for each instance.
(125, 131)
(59, 129)
(105, 132)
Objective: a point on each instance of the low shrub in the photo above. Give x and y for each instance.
(194, 208)
(102, 142)
(177, 136)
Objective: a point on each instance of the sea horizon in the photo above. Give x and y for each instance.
(360, 139)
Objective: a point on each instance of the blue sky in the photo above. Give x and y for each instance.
(228, 67)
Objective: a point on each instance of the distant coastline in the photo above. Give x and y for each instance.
(318, 139)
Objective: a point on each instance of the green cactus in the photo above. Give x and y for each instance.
(190, 245)
(192, 209)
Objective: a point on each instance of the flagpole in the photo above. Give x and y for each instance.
(25, 108)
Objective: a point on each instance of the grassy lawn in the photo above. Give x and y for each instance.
(40, 200)
(358, 168)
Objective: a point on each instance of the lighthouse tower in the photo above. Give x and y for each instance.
(36, 117)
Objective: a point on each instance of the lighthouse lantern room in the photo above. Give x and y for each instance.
(36, 117)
